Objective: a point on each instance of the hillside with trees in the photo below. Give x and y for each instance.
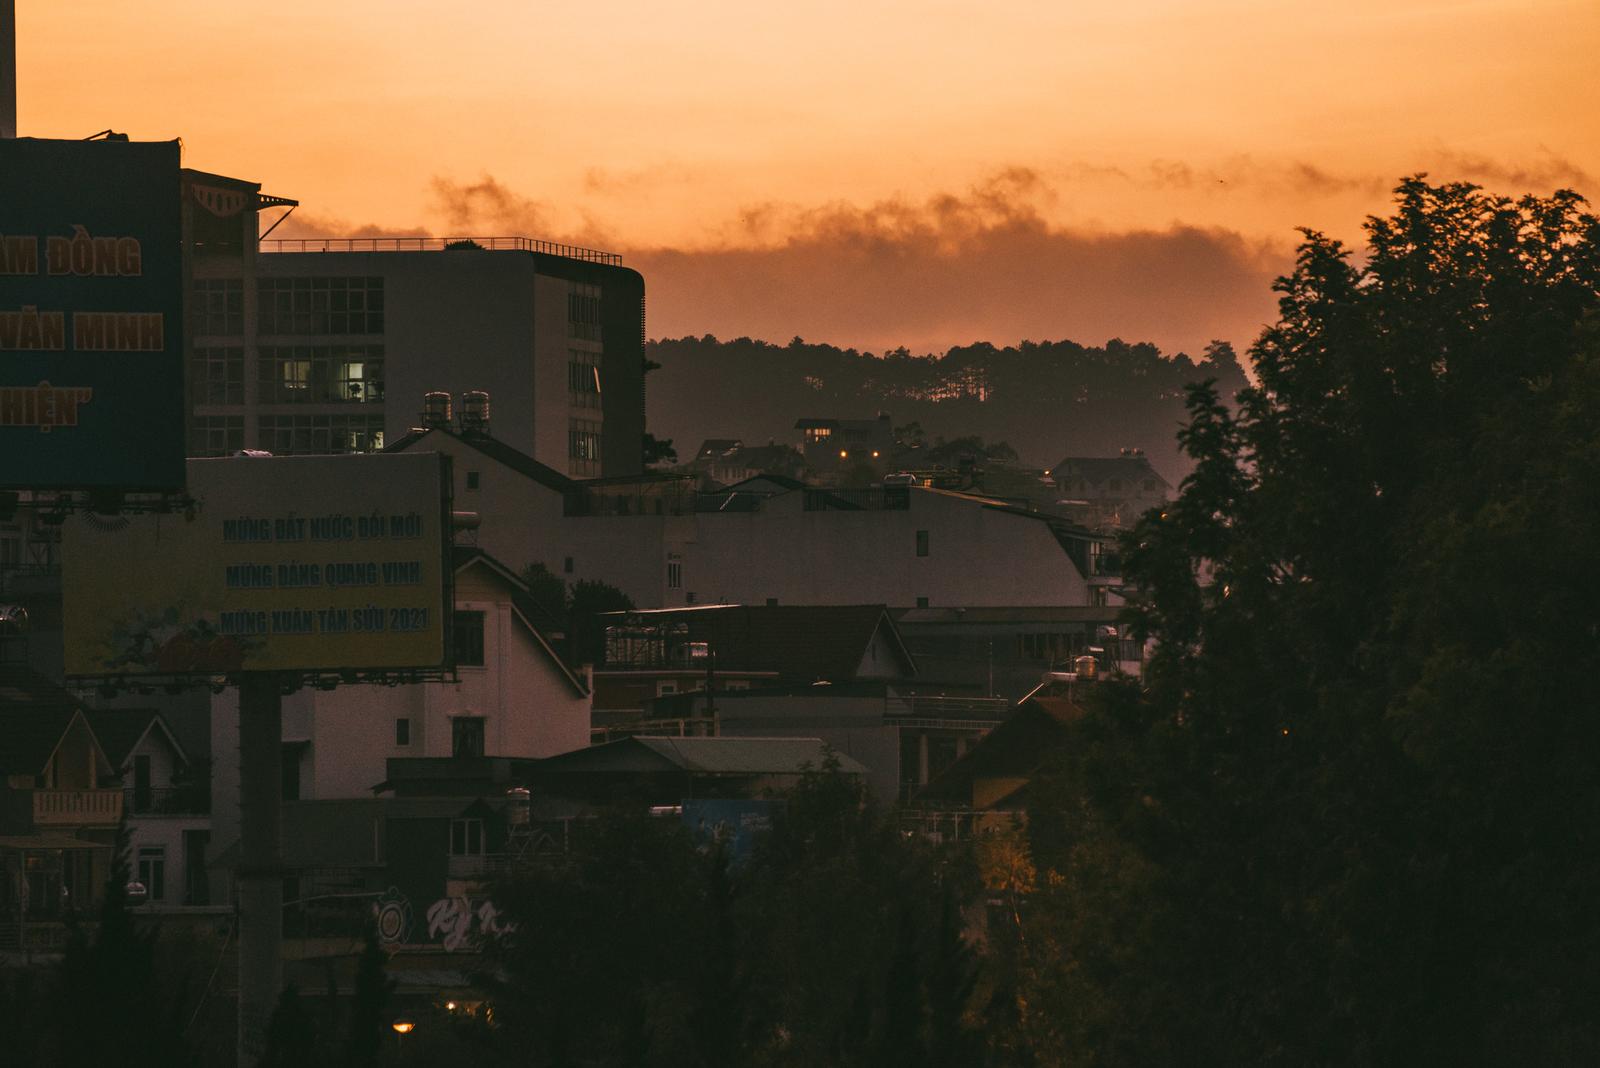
(1045, 399)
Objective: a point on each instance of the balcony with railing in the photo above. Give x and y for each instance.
(190, 800)
(77, 808)
(438, 244)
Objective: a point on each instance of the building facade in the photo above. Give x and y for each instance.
(328, 346)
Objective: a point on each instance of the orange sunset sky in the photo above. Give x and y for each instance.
(868, 173)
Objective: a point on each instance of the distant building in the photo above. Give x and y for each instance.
(167, 800)
(769, 540)
(659, 652)
(1109, 493)
(328, 345)
(838, 446)
(516, 697)
(723, 461)
(57, 820)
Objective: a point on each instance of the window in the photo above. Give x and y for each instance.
(290, 435)
(472, 480)
(153, 871)
(772, 602)
(583, 442)
(216, 435)
(469, 639)
(1099, 596)
(583, 312)
(922, 602)
(291, 773)
(674, 574)
(922, 543)
(218, 306)
(350, 305)
(402, 731)
(688, 598)
(216, 376)
(567, 565)
(466, 736)
(321, 374)
(466, 838)
(583, 378)
(665, 687)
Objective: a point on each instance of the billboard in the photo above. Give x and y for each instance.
(91, 315)
(295, 564)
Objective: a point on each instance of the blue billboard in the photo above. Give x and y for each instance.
(91, 315)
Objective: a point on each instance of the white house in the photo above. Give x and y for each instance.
(515, 696)
(167, 802)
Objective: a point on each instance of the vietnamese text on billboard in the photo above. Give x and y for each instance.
(91, 325)
(290, 564)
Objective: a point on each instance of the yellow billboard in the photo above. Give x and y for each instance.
(293, 563)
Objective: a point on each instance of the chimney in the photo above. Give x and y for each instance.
(475, 412)
(436, 410)
(8, 68)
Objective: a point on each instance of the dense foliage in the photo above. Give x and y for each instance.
(1047, 399)
(1352, 819)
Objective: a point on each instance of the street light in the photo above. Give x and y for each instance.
(402, 1028)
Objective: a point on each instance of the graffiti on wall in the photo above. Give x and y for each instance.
(457, 924)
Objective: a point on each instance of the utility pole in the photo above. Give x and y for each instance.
(260, 872)
(8, 68)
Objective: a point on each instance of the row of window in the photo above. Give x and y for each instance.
(300, 374)
(333, 305)
(322, 374)
(583, 312)
(287, 435)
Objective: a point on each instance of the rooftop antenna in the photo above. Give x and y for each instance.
(8, 68)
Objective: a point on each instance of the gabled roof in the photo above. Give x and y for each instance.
(35, 715)
(781, 481)
(716, 447)
(1097, 469)
(523, 607)
(1015, 749)
(120, 731)
(700, 756)
(802, 643)
(494, 449)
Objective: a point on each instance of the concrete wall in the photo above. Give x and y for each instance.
(528, 707)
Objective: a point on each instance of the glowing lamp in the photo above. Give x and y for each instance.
(403, 1027)
(843, 453)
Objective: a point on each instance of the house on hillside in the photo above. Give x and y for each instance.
(1110, 492)
(168, 805)
(722, 461)
(836, 446)
(59, 811)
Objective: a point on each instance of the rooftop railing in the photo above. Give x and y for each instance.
(437, 244)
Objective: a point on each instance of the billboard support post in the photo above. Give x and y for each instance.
(260, 872)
